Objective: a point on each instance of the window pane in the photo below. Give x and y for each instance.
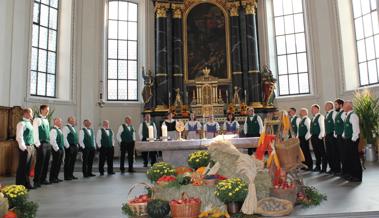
(41, 89)
(132, 90)
(363, 74)
(373, 4)
(133, 12)
(51, 63)
(283, 85)
(42, 61)
(370, 48)
(113, 10)
(112, 89)
(132, 50)
(287, 7)
(52, 40)
(112, 29)
(122, 30)
(365, 6)
(372, 72)
(132, 30)
(361, 50)
(33, 63)
(43, 38)
(359, 28)
(377, 46)
(294, 84)
(289, 23)
(292, 63)
(280, 45)
(35, 35)
(54, 3)
(132, 69)
(122, 49)
(33, 82)
(278, 7)
(282, 64)
(112, 69)
(44, 15)
(367, 25)
(302, 62)
(300, 42)
(279, 26)
(304, 83)
(299, 23)
(45, 1)
(112, 49)
(122, 90)
(50, 87)
(123, 10)
(36, 13)
(53, 18)
(291, 46)
(375, 23)
(297, 6)
(122, 69)
(357, 8)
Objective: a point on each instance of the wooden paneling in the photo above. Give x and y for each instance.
(8, 158)
(4, 119)
(15, 115)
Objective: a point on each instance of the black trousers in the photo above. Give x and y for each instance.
(88, 156)
(319, 150)
(250, 151)
(352, 160)
(342, 148)
(42, 162)
(56, 164)
(332, 153)
(69, 161)
(127, 147)
(152, 155)
(106, 154)
(24, 165)
(304, 144)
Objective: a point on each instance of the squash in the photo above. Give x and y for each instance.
(182, 170)
(201, 170)
(158, 208)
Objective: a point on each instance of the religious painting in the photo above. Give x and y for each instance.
(206, 42)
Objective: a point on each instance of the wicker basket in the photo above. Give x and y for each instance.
(139, 209)
(185, 210)
(287, 194)
(289, 153)
(275, 213)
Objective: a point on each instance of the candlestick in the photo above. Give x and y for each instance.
(151, 133)
(245, 97)
(227, 97)
(169, 99)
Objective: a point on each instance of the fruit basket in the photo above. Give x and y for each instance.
(273, 207)
(138, 205)
(285, 191)
(185, 207)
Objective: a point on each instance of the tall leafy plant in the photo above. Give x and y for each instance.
(366, 105)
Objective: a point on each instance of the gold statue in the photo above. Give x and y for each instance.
(178, 98)
(236, 97)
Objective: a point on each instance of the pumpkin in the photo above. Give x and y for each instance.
(158, 208)
(10, 214)
(201, 170)
(182, 170)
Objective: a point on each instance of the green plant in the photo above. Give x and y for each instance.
(160, 169)
(366, 106)
(198, 159)
(17, 196)
(231, 190)
(49, 117)
(27, 209)
(158, 208)
(310, 197)
(126, 210)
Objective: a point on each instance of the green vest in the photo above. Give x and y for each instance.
(59, 139)
(145, 131)
(88, 139)
(294, 124)
(348, 127)
(28, 133)
(72, 137)
(329, 123)
(106, 140)
(127, 135)
(252, 126)
(302, 128)
(315, 126)
(44, 130)
(339, 123)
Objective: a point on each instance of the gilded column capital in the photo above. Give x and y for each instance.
(177, 9)
(161, 9)
(250, 6)
(233, 8)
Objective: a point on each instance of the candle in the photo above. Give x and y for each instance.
(227, 97)
(151, 133)
(164, 132)
(245, 97)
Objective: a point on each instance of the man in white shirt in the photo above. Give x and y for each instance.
(71, 144)
(143, 134)
(105, 143)
(351, 136)
(41, 132)
(304, 134)
(338, 131)
(87, 144)
(26, 150)
(317, 139)
(253, 126)
(126, 136)
(57, 145)
(330, 141)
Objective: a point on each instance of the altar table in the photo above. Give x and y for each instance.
(176, 152)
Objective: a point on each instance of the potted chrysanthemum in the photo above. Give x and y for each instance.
(232, 192)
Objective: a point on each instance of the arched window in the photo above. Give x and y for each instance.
(367, 40)
(122, 51)
(44, 48)
(290, 47)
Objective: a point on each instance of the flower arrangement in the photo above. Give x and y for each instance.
(17, 196)
(231, 190)
(310, 196)
(160, 169)
(199, 159)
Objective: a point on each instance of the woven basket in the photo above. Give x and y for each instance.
(286, 204)
(185, 210)
(139, 209)
(287, 194)
(289, 153)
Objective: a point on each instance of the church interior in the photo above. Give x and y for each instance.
(157, 108)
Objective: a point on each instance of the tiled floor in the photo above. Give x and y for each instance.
(103, 196)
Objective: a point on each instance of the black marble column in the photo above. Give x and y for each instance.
(178, 77)
(161, 71)
(244, 56)
(254, 80)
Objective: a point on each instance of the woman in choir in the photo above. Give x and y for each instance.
(170, 122)
(231, 126)
(211, 128)
(193, 127)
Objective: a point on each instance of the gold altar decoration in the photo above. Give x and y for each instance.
(207, 100)
(180, 128)
(233, 8)
(222, 5)
(250, 6)
(161, 9)
(177, 8)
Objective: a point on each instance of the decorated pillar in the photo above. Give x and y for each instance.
(177, 50)
(237, 75)
(253, 73)
(161, 72)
